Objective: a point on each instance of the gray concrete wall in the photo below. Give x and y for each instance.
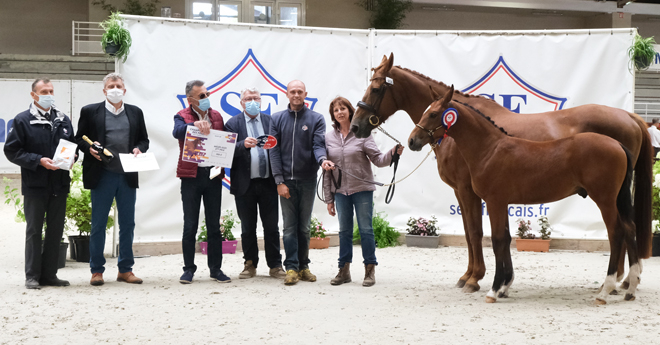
(336, 14)
(39, 27)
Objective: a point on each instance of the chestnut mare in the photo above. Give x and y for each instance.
(409, 92)
(507, 170)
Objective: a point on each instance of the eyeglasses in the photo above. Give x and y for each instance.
(250, 99)
(204, 95)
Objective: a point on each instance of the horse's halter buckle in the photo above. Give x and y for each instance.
(430, 132)
(373, 109)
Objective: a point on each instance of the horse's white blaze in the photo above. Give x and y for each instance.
(608, 286)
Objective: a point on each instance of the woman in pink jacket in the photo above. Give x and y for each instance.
(355, 156)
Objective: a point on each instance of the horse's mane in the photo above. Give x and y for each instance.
(423, 76)
(484, 116)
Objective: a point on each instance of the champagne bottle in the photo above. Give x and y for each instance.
(105, 154)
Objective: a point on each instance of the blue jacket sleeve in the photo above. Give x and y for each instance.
(318, 141)
(15, 148)
(275, 153)
(180, 127)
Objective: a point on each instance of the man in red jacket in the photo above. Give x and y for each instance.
(196, 184)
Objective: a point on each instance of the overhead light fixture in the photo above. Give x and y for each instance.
(622, 3)
(547, 13)
(441, 8)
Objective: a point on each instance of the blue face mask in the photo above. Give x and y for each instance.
(204, 104)
(46, 101)
(253, 108)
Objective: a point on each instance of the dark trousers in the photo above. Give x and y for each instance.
(655, 151)
(261, 192)
(192, 192)
(37, 264)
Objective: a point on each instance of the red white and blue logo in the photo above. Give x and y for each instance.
(449, 117)
(509, 89)
(226, 92)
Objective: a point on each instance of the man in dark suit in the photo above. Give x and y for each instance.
(252, 185)
(31, 144)
(120, 128)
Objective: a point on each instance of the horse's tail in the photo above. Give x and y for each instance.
(643, 191)
(624, 200)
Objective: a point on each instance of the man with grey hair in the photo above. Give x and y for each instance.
(196, 184)
(31, 144)
(252, 185)
(120, 128)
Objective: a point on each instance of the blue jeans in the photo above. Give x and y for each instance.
(112, 185)
(363, 204)
(296, 216)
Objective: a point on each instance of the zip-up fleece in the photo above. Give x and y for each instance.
(300, 146)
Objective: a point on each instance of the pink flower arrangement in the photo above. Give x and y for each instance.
(422, 226)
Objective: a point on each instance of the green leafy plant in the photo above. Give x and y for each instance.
(642, 52)
(316, 228)
(203, 235)
(546, 229)
(78, 214)
(227, 223)
(116, 33)
(386, 14)
(422, 226)
(130, 7)
(385, 235)
(525, 229)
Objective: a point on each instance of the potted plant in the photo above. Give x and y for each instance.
(203, 239)
(317, 238)
(642, 52)
(386, 14)
(227, 223)
(527, 241)
(422, 233)
(116, 39)
(384, 234)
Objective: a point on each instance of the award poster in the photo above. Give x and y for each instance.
(216, 148)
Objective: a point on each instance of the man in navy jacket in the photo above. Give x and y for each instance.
(252, 185)
(300, 133)
(31, 144)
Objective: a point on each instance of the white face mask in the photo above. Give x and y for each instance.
(115, 95)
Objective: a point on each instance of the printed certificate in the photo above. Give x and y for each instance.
(215, 149)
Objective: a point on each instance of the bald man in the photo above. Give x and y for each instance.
(300, 134)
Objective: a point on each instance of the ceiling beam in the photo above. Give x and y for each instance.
(554, 5)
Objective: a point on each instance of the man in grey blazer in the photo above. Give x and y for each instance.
(252, 185)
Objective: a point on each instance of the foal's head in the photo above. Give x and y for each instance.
(437, 118)
(378, 102)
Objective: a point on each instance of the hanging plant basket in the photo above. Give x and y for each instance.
(642, 52)
(111, 48)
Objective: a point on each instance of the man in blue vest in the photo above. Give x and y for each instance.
(252, 185)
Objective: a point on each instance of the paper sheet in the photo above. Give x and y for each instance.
(142, 162)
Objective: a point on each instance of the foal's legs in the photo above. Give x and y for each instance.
(472, 222)
(502, 249)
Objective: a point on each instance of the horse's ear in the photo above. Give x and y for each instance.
(434, 94)
(390, 63)
(447, 98)
(383, 60)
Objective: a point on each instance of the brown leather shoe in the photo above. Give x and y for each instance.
(97, 279)
(344, 275)
(128, 277)
(369, 275)
(249, 270)
(277, 272)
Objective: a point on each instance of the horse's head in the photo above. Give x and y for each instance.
(378, 101)
(433, 125)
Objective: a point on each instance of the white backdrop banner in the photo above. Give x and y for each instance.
(524, 71)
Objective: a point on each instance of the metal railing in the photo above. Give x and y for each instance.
(86, 38)
(648, 110)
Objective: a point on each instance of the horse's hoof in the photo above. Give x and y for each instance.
(614, 292)
(629, 297)
(625, 285)
(490, 299)
(471, 288)
(599, 301)
(461, 283)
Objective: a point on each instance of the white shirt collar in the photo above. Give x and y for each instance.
(41, 111)
(112, 109)
(204, 116)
